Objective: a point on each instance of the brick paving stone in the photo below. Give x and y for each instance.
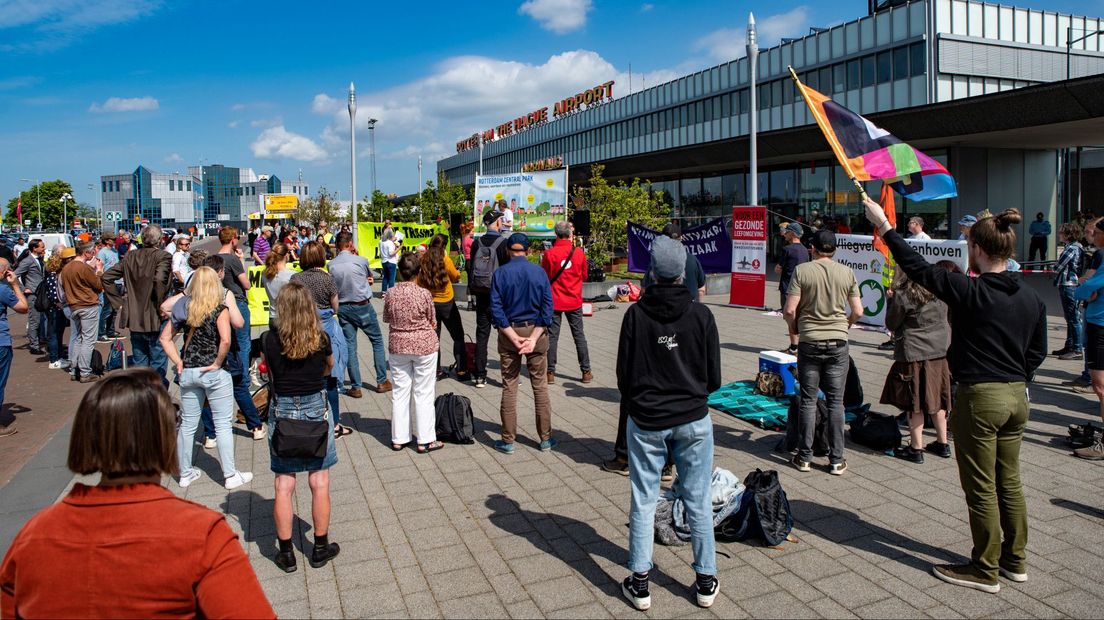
(459, 583)
(421, 605)
(777, 605)
(553, 594)
(851, 589)
(478, 606)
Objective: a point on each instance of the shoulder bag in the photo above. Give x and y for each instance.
(296, 439)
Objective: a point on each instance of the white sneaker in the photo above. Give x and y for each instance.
(210, 443)
(189, 478)
(55, 365)
(1015, 577)
(259, 433)
(238, 479)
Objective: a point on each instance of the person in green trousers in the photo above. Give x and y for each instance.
(998, 340)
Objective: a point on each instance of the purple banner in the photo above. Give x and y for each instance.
(709, 242)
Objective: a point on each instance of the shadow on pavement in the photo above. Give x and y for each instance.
(1096, 513)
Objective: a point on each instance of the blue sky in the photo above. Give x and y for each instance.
(91, 88)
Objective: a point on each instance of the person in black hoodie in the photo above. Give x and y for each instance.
(668, 362)
(998, 340)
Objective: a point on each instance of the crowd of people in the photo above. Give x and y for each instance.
(983, 330)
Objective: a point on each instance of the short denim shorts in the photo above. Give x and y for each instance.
(311, 407)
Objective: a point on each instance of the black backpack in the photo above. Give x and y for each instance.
(484, 263)
(875, 430)
(764, 512)
(454, 419)
(97, 363)
(44, 301)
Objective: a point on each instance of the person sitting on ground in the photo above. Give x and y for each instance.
(127, 547)
(412, 346)
(668, 362)
(299, 358)
(436, 274)
(919, 382)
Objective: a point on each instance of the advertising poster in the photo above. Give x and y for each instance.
(536, 200)
(749, 257)
(868, 264)
(708, 242)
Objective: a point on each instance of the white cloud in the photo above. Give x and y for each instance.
(559, 16)
(279, 143)
(19, 82)
(233, 124)
(266, 122)
(645, 8)
(124, 104)
(175, 158)
(53, 24)
(237, 107)
(324, 104)
(729, 43)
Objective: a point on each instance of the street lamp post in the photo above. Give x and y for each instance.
(372, 159)
(753, 113)
(352, 156)
(38, 198)
(99, 207)
(64, 200)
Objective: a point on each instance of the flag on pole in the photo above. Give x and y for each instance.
(868, 152)
(19, 209)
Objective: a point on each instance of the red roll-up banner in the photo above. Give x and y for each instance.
(749, 257)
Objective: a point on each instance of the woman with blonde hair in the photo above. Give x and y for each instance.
(299, 357)
(203, 316)
(275, 275)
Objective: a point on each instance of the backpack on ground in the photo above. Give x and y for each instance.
(97, 363)
(454, 419)
(764, 512)
(875, 430)
(852, 388)
(43, 300)
(115, 356)
(484, 263)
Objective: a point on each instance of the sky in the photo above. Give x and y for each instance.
(95, 88)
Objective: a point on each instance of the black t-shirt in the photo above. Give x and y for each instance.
(232, 267)
(295, 377)
(6, 253)
(1097, 259)
(793, 254)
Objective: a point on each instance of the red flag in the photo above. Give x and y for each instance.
(19, 209)
(890, 208)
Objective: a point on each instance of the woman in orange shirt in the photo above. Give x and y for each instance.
(127, 547)
(437, 273)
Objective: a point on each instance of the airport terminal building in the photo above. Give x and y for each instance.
(1003, 96)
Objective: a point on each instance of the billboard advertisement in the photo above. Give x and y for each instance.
(749, 257)
(536, 200)
(281, 202)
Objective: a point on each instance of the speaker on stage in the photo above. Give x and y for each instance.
(581, 219)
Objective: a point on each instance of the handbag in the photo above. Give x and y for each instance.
(297, 439)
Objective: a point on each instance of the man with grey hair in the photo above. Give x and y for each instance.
(566, 266)
(146, 274)
(916, 229)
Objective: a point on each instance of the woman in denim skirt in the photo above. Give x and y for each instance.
(205, 318)
(299, 357)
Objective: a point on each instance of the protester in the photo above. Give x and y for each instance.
(793, 254)
(1095, 236)
(55, 317)
(81, 285)
(1040, 236)
(262, 245)
(964, 226)
(467, 237)
(668, 362)
(6, 252)
(236, 280)
(1066, 275)
(488, 253)
(254, 232)
(521, 307)
(206, 320)
(122, 243)
(323, 231)
(299, 358)
(146, 274)
(275, 275)
(919, 382)
(19, 247)
(110, 258)
(325, 246)
(695, 275)
(389, 257)
(127, 547)
(30, 272)
(354, 280)
(998, 340)
(566, 267)
(817, 301)
(11, 296)
(324, 292)
(412, 345)
(437, 273)
(180, 267)
(916, 229)
(1089, 291)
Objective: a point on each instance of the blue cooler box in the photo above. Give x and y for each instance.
(784, 364)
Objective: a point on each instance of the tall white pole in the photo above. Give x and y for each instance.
(420, 206)
(753, 112)
(372, 156)
(352, 157)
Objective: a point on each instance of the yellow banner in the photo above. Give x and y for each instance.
(281, 203)
(257, 296)
(369, 234)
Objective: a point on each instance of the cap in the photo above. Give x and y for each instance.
(266, 229)
(668, 258)
(967, 220)
(824, 241)
(792, 227)
(519, 239)
(68, 253)
(491, 216)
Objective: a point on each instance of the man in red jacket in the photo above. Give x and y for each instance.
(566, 266)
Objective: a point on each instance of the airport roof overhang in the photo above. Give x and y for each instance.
(1056, 115)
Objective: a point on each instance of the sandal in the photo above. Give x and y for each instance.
(341, 431)
(430, 447)
(397, 447)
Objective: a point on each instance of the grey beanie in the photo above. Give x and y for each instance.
(668, 258)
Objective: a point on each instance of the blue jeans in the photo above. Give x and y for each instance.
(822, 365)
(353, 317)
(107, 319)
(244, 399)
(691, 445)
(215, 387)
(1072, 310)
(389, 270)
(55, 322)
(333, 400)
(146, 347)
(5, 368)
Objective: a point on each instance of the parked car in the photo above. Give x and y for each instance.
(52, 239)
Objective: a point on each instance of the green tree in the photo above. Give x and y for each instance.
(50, 197)
(376, 209)
(442, 198)
(322, 207)
(611, 206)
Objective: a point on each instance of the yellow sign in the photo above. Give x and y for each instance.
(369, 235)
(281, 203)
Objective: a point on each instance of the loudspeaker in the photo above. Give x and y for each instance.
(581, 219)
(456, 220)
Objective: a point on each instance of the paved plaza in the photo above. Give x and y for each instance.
(469, 532)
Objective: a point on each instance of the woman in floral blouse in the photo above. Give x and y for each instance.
(408, 308)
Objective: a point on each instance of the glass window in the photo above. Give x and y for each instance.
(885, 67)
(695, 108)
(690, 190)
(783, 186)
(813, 189)
(764, 96)
(869, 76)
(716, 103)
(854, 75)
(726, 105)
(901, 63)
(745, 101)
(826, 80)
(712, 191)
(787, 91)
(734, 189)
(776, 92)
(839, 78)
(917, 60)
(103, 186)
(812, 80)
(189, 186)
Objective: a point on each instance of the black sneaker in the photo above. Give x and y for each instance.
(886, 346)
(285, 561)
(939, 449)
(480, 382)
(636, 590)
(321, 555)
(616, 466)
(707, 586)
(792, 350)
(668, 474)
(910, 454)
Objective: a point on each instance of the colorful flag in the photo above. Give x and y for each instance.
(868, 152)
(19, 209)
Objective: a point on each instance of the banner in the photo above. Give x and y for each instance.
(257, 296)
(369, 235)
(537, 200)
(869, 265)
(708, 242)
(749, 257)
